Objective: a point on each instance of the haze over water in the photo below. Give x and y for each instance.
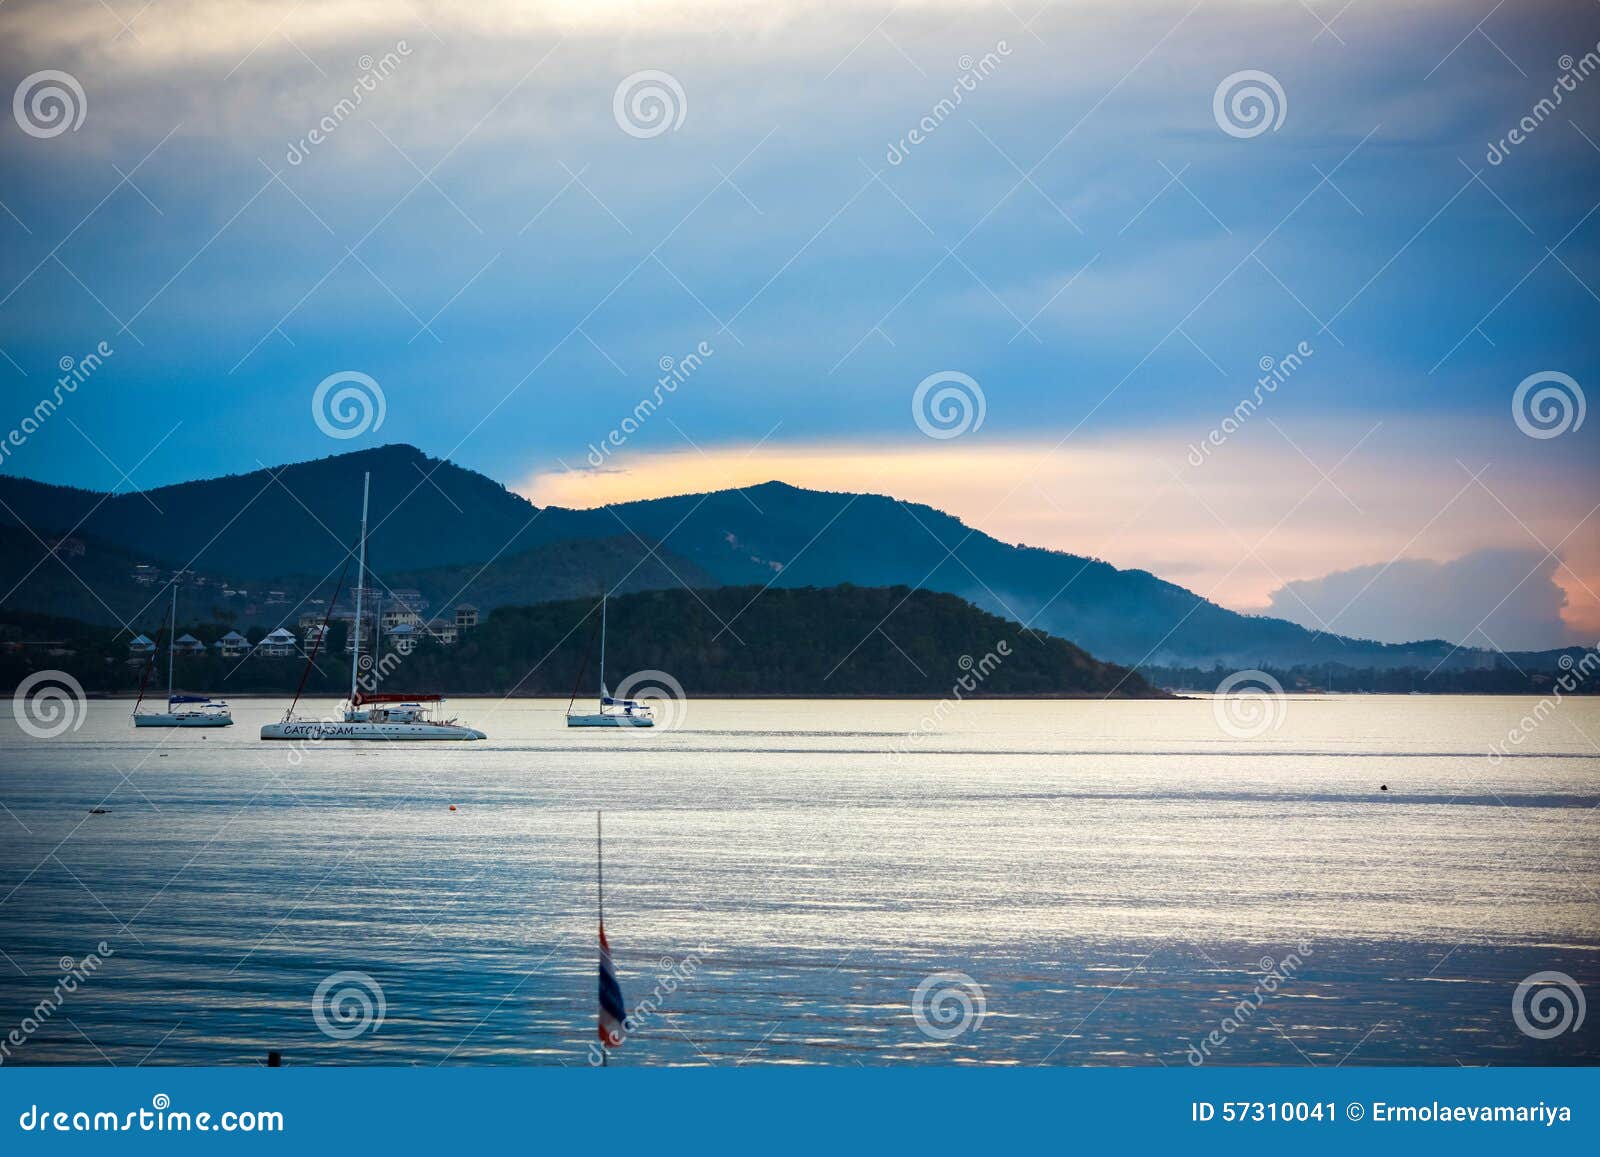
(1110, 875)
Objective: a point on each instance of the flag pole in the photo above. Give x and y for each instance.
(600, 897)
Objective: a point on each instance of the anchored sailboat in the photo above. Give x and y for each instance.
(613, 712)
(182, 710)
(367, 715)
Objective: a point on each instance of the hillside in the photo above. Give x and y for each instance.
(296, 519)
(99, 587)
(427, 514)
(856, 641)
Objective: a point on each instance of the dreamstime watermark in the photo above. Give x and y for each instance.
(664, 695)
(73, 974)
(74, 372)
(1574, 672)
(973, 674)
(674, 372)
(1548, 404)
(1274, 373)
(370, 675)
(348, 1004)
(1249, 102)
(1547, 1004)
(648, 103)
(1273, 975)
(948, 1004)
(948, 404)
(48, 103)
(372, 72)
(155, 1119)
(972, 73)
(1573, 73)
(49, 703)
(1248, 704)
(348, 404)
(670, 976)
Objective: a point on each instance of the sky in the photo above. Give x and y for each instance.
(1321, 354)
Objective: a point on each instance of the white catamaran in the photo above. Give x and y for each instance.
(613, 712)
(369, 715)
(182, 710)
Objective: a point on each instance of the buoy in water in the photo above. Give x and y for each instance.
(452, 807)
(1383, 787)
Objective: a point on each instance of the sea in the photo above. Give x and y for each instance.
(1324, 880)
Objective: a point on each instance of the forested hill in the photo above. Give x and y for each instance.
(735, 641)
(845, 640)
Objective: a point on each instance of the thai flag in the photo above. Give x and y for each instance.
(612, 1013)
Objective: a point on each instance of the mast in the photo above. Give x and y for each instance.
(172, 641)
(603, 692)
(361, 582)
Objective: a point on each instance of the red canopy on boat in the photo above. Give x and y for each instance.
(363, 697)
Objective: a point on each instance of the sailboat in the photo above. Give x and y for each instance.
(613, 712)
(182, 710)
(368, 715)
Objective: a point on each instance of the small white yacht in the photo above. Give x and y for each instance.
(182, 710)
(369, 715)
(613, 712)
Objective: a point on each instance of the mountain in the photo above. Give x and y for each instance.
(859, 642)
(98, 586)
(428, 514)
(296, 519)
(40, 574)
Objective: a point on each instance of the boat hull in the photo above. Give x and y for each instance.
(187, 720)
(609, 721)
(319, 730)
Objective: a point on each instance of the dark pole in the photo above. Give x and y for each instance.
(600, 895)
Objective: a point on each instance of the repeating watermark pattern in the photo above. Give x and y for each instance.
(346, 1005)
(372, 73)
(670, 976)
(348, 404)
(49, 703)
(973, 72)
(48, 103)
(74, 973)
(1573, 73)
(1274, 373)
(973, 674)
(1548, 404)
(1248, 704)
(664, 695)
(370, 676)
(1248, 103)
(1574, 673)
(1547, 1004)
(74, 372)
(948, 1004)
(674, 373)
(649, 103)
(948, 404)
(1274, 974)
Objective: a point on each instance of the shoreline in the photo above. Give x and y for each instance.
(1188, 694)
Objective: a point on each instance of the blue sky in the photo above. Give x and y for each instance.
(1080, 237)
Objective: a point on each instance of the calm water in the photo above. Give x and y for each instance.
(1109, 876)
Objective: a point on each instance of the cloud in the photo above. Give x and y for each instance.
(1504, 598)
(1235, 529)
